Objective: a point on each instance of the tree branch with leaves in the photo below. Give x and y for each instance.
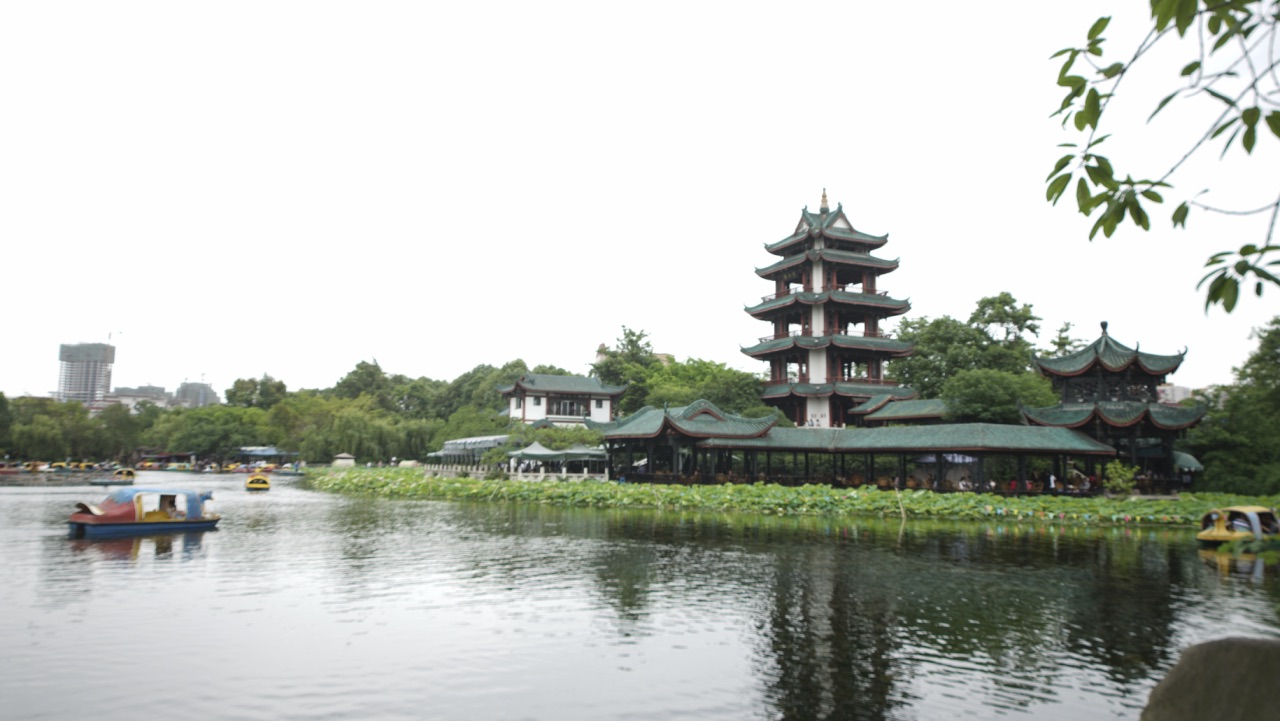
(1235, 64)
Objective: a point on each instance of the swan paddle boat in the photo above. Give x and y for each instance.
(1234, 523)
(144, 511)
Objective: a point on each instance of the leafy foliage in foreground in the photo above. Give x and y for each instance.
(777, 500)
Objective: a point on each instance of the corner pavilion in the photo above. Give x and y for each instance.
(699, 443)
(1109, 392)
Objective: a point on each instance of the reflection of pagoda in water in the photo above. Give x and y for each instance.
(1109, 392)
(826, 353)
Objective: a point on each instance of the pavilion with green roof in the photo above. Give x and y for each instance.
(1109, 391)
(699, 443)
(562, 400)
(826, 353)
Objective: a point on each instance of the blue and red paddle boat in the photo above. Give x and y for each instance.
(142, 512)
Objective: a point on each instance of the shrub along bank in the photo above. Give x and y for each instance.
(777, 500)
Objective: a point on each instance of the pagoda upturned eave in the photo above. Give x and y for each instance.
(854, 388)
(826, 224)
(885, 305)
(876, 344)
(1112, 356)
(835, 257)
(1116, 414)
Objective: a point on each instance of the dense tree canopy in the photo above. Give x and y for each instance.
(251, 393)
(1239, 439)
(1229, 53)
(994, 338)
(993, 396)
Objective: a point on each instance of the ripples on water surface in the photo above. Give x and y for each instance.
(304, 605)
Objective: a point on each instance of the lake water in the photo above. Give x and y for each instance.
(304, 605)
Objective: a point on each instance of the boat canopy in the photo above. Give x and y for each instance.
(195, 499)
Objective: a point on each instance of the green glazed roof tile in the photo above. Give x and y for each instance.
(841, 297)
(1119, 414)
(908, 410)
(544, 383)
(1112, 356)
(947, 437)
(888, 346)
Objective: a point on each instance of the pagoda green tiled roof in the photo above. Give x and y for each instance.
(849, 389)
(806, 342)
(700, 419)
(874, 403)
(815, 224)
(1112, 356)
(546, 383)
(910, 410)
(831, 256)
(875, 300)
(947, 437)
(1118, 414)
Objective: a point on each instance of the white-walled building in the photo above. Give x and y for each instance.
(562, 400)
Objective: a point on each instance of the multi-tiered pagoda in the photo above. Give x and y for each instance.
(1109, 392)
(826, 353)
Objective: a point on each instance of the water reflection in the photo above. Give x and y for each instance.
(497, 611)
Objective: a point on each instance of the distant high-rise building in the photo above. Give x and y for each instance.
(197, 395)
(85, 375)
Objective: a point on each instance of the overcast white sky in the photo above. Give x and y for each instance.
(238, 188)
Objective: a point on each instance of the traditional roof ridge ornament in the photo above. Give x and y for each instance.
(1104, 327)
(825, 207)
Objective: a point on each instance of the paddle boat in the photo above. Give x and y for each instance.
(143, 511)
(257, 482)
(121, 477)
(1234, 523)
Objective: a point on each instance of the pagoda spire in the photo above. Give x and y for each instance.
(825, 208)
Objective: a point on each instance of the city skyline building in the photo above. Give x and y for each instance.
(85, 372)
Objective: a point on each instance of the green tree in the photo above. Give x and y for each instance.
(627, 364)
(40, 439)
(994, 338)
(218, 432)
(678, 384)
(6, 421)
(1228, 51)
(943, 347)
(994, 396)
(1117, 478)
(121, 431)
(1239, 439)
(250, 393)
(1063, 344)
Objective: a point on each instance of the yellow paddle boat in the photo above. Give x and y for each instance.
(1234, 523)
(257, 482)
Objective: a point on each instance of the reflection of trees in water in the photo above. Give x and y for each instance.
(1128, 608)
(856, 624)
(857, 619)
(828, 645)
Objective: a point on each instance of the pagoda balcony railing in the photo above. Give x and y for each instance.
(844, 288)
(863, 381)
(864, 334)
(775, 296)
(780, 336)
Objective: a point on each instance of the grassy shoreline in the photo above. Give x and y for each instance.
(777, 500)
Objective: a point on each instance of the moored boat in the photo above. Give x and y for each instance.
(1235, 523)
(143, 511)
(257, 482)
(121, 477)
